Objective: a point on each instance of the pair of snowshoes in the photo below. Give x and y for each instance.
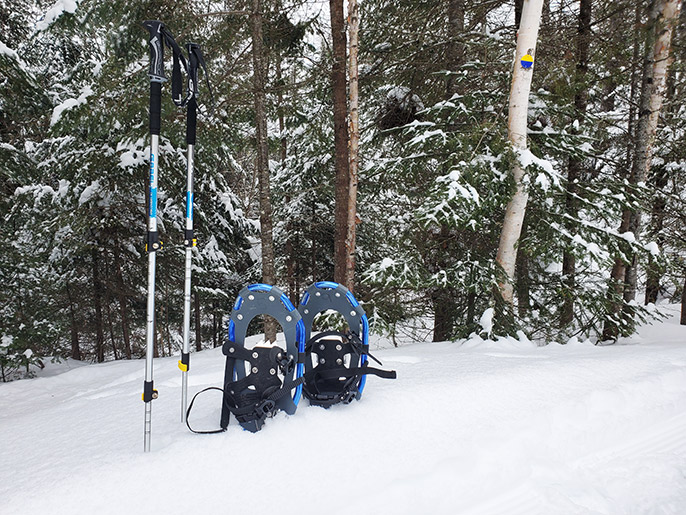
(328, 368)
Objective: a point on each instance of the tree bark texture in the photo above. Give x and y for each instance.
(354, 132)
(455, 51)
(340, 111)
(198, 322)
(259, 83)
(75, 347)
(663, 15)
(517, 127)
(97, 304)
(575, 168)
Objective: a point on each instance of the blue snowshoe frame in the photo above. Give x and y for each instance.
(260, 392)
(341, 382)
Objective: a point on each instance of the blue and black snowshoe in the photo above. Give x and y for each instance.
(336, 363)
(259, 381)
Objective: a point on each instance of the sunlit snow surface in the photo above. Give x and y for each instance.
(476, 428)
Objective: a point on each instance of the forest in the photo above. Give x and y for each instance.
(572, 227)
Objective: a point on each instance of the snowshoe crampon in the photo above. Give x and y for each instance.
(260, 381)
(336, 363)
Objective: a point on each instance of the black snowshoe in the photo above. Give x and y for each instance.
(336, 363)
(258, 382)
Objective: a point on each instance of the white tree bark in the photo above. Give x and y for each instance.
(517, 126)
(353, 142)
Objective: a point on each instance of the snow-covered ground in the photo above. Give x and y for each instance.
(473, 428)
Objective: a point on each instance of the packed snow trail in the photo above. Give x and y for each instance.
(474, 428)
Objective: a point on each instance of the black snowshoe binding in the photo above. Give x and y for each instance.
(336, 364)
(258, 382)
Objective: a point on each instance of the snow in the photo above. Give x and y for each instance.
(70, 103)
(481, 427)
(5, 50)
(60, 7)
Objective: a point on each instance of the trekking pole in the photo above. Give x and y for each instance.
(195, 61)
(157, 77)
(189, 239)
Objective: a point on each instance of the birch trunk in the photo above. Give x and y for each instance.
(259, 81)
(354, 143)
(517, 126)
(340, 112)
(663, 15)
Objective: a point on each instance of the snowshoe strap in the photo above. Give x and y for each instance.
(335, 373)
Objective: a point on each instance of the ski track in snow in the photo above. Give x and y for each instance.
(464, 429)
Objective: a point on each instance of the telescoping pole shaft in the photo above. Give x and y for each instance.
(157, 77)
(194, 61)
(190, 243)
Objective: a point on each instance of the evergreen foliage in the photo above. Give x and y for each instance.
(434, 162)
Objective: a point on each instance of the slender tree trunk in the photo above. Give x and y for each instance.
(517, 126)
(291, 258)
(110, 327)
(522, 273)
(575, 168)
(682, 321)
(97, 304)
(663, 15)
(123, 308)
(518, 6)
(259, 83)
(75, 348)
(340, 111)
(659, 179)
(198, 323)
(455, 53)
(354, 132)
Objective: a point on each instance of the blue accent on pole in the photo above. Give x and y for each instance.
(326, 285)
(153, 202)
(232, 331)
(352, 299)
(286, 302)
(260, 287)
(189, 205)
(238, 303)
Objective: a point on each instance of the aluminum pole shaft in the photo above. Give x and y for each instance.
(187, 281)
(152, 255)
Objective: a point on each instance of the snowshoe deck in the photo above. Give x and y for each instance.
(258, 382)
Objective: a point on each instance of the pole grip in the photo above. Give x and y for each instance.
(155, 107)
(191, 121)
(156, 42)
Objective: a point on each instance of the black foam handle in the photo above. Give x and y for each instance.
(194, 59)
(191, 121)
(155, 107)
(156, 43)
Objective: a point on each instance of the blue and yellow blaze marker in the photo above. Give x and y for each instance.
(527, 61)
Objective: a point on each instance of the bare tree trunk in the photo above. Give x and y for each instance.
(354, 132)
(682, 321)
(259, 83)
(123, 309)
(75, 348)
(198, 323)
(455, 53)
(663, 15)
(517, 126)
(97, 303)
(340, 111)
(575, 168)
